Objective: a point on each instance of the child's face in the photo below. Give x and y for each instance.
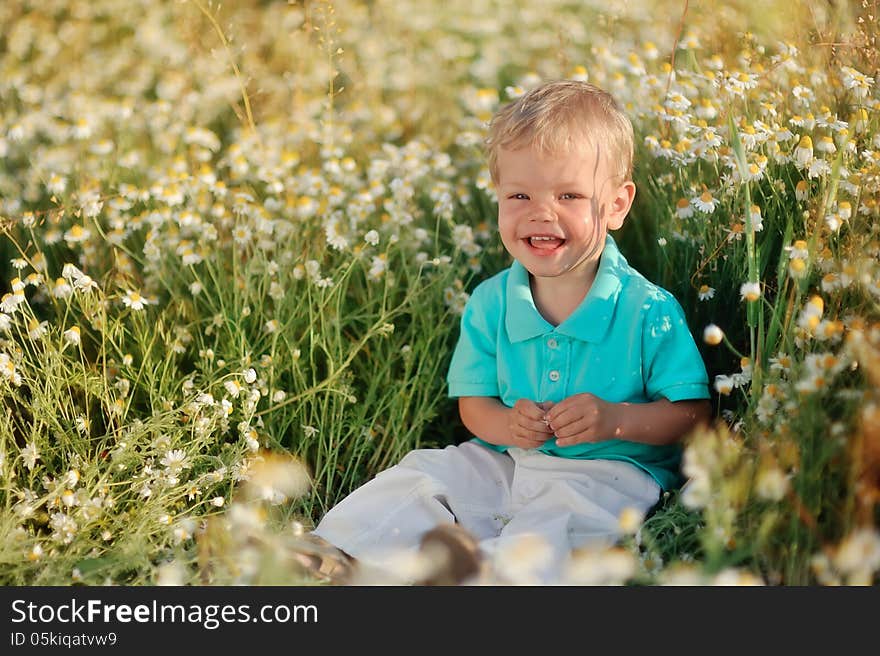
(554, 210)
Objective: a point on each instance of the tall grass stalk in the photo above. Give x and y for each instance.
(231, 284)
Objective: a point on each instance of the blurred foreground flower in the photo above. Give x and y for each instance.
(276, 477)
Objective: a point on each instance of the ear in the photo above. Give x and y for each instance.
(620, 203)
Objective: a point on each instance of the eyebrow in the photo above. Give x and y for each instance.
(517, 183)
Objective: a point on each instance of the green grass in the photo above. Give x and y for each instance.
(304, 251)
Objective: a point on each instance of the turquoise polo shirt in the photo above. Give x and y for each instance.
(627, 341)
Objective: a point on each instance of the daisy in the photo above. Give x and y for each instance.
(859, 83)
(10, 302)
(798, 249)
(37, 329)
(771, 483)
(830, 282)
(859, 120)
(803, 154)
(803, 94)
(797, 268)
(813, 382)
(35, 553)
(706, 110)
(756, 218)
(630, 520)
(723, 384)
(826, 145)
(782, 133)
(190, 257)
(64, 527)
(175, 460)
(233, 387)
(801, 190)
(73, 336)
(749, 137)
(829, 330)
(713, 335)
(83, 424)
(372, 238)
(757, 167)
(57, 184)
(767, 405)
(8, 370)
(705, 202)
(377, 267)
(833, 222)
(735, 232)
(76, 234)
(710, 138)
(134, 300)
(812, 312)
(705, 292)
(818, 168)
(30, 455)
(242, 235)
(750, 291)
(683, 209)
(579, 73)
(677, 102)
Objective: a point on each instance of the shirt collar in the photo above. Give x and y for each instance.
(589, 321)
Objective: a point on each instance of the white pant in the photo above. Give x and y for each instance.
(498, 497)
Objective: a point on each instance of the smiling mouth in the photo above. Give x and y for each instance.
(544, 242)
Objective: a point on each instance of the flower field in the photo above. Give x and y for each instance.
(235, 242)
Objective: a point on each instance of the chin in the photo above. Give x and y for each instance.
(544, 271)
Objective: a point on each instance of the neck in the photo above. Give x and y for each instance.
(556, 298)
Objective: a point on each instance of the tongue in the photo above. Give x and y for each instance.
(545, 244)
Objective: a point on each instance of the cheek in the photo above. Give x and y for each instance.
(580, 224)
(506, 224)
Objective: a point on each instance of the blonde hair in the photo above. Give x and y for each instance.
(561, 116)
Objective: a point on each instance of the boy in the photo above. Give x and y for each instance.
(577, 377)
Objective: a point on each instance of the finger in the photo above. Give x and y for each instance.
(531, 444)
(571, 441)
(520, 421)
(534, 438)
(564, 417)
(578, 438)
(583, 401)
(557, 409)
(574, 411)
(536, 427)
(530, 409)
(574, 428)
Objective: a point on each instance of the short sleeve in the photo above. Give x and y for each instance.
(473, 369)
(672, 365)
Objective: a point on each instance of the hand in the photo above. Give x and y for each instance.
(583, 418)
(527, 426)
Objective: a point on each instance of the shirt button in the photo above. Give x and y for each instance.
(552, 343)
(554, 375)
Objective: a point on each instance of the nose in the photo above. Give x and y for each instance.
(543, 213)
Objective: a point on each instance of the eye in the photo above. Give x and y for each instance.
(569, 196)
(518, 197)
